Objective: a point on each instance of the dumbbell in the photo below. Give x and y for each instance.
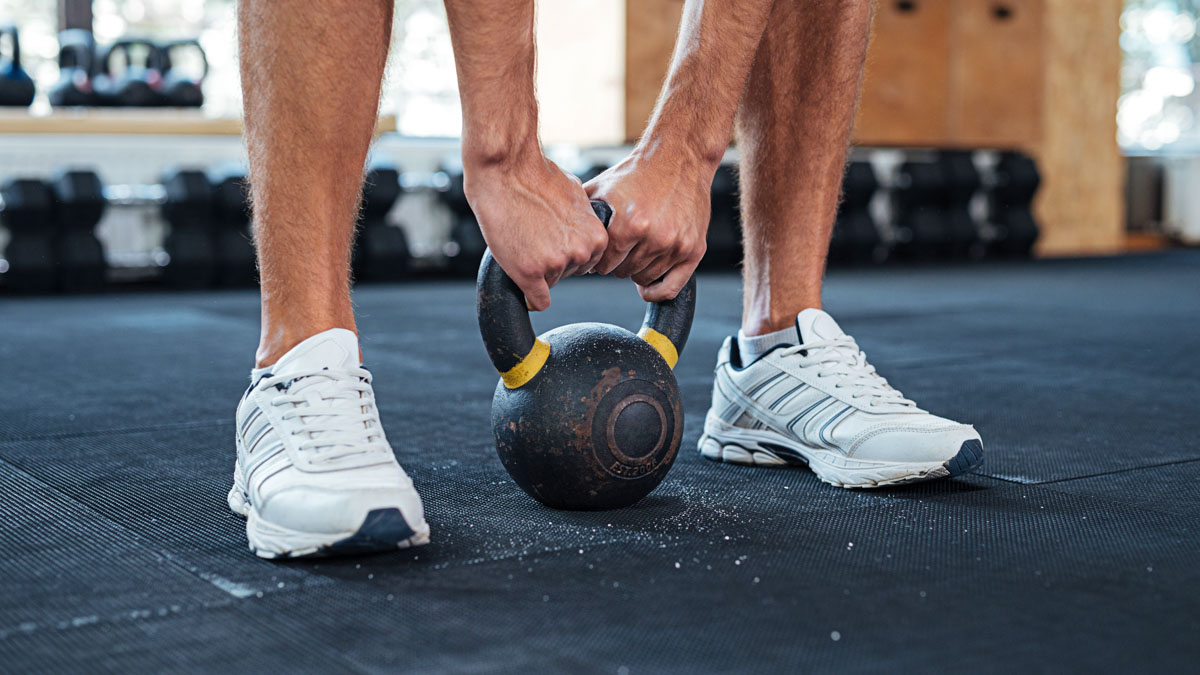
(962, 182)
(16, 87)
(381, 252)
(207, 241)
(235, 260)
(28, 215)
(1015, 182)
(52, 224)
(187, 208)
(724, 238)
(917, 211)
(466, 239)
(855, 237)
(79, 205)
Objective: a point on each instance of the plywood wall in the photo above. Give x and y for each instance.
(906, 91)
(1082, 201)
(650, 29)
(1037, 75)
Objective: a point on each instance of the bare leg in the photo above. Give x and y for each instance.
(793, 128)
(311, 74)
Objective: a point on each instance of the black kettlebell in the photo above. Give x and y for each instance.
(181, 89)
(586, 416)
(137, 84)
(76, 59)
(16, 87)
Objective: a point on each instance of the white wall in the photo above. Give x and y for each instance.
(581, 71)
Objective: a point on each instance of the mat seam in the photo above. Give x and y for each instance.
(1091, 475)
(143, 541)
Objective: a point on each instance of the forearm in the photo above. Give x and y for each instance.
(713, 54)
(495, 58)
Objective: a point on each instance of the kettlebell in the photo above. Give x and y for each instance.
(586, 416)
(181, 89)
(76, 58)
(137, 85)
(16, 87)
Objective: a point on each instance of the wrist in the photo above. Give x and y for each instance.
(498, 153)
(681, 152)
(503, 141)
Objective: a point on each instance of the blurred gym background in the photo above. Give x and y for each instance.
(988, 129)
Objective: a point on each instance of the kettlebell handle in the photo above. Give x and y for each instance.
(15, 35)
(125, 46)
(518, 354)
(165, 64)
(77, 49)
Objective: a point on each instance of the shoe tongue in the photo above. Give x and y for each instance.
(334, 348)
(815, 324)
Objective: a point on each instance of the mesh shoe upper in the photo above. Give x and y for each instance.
(312, 454)
(824, 394)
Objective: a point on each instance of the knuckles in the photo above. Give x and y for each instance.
(632, 231)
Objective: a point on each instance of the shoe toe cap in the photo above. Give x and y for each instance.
(922, 444)
(334, 511)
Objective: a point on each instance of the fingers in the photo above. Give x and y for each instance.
(587, 248)
(613, 255)
(670, 285)
(655, 270)
(667, 246)
(592, 262)
(537, 293)
(634, 262)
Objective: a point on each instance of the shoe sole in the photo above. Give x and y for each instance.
(381, 530)
(833, 467)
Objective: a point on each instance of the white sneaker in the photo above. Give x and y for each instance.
(821, 404)
(315, 474)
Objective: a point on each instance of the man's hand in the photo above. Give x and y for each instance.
(536, 219)
(660, 217)
(538, 222)
(661, 194)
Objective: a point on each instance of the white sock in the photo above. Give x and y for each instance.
(750, 348)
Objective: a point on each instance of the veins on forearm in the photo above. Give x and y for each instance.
(709, 68)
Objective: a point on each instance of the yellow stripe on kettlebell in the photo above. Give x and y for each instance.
(528, 366)
(662, 344)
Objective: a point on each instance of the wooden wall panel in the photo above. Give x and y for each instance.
(996, 73)
(951, 73)
(1081, 203)
(650, 29)
(907, 74)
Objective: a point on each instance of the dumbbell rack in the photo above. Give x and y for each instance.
(199, 226)
(875, 223)
(134, 121)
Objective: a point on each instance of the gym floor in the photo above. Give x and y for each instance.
(1075, 546)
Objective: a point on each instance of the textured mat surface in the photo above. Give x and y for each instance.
(1073, 548)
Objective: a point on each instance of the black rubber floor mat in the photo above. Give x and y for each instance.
(65, 565)
(1174, 488)
(119, 553)
(178, 639)
(1013, 577)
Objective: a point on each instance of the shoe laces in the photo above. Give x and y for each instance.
(334, 411)
(841, 357)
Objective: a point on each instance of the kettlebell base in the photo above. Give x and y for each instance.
(597, 428)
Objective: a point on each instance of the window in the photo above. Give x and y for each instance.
(580, 75)
(1158, 105)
